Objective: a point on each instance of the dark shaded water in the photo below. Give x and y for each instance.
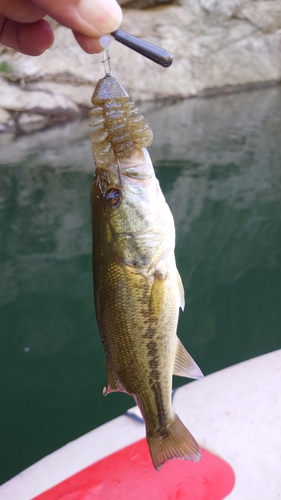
(219, 164)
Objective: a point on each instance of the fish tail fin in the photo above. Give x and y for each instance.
(177, 442)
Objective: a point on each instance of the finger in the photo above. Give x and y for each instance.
(31, 39)
(22, 11)
(91, 18)
(88, 44)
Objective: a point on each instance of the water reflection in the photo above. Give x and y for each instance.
(218, 162)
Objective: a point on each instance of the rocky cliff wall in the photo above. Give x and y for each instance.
(218, 45)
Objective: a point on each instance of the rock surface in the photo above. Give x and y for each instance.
(217, 45)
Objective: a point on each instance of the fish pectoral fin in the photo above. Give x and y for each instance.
(185, 365)
(157, 298)
(112, 383)
(180, 290)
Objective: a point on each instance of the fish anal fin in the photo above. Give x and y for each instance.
(185, 365)
(112, 383)
(176, 442)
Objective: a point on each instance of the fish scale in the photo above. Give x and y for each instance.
(137, 288)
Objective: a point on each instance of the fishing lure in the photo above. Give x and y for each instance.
(118, 128)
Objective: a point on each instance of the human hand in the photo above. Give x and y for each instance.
(23, 28)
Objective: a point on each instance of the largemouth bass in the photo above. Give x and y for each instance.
(137, 287)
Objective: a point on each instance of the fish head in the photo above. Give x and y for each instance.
(129, 209)
(128, 193)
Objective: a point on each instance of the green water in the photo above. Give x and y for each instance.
(219, 164)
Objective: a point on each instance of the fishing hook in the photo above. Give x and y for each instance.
(119, 172)
(106, 62)
(105, 42)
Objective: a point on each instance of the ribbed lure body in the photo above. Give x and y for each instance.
(118, 127)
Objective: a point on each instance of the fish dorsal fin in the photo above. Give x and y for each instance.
(180, 290)
(185, 365)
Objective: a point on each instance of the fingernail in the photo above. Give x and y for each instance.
(103, 16)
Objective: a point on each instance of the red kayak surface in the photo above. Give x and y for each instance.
(128, 474)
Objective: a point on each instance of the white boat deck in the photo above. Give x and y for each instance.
(235, 413)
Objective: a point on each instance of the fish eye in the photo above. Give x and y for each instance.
(113, 197)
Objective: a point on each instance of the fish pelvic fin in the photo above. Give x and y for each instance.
(177, 442)
(185, 365)
(112, 383)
